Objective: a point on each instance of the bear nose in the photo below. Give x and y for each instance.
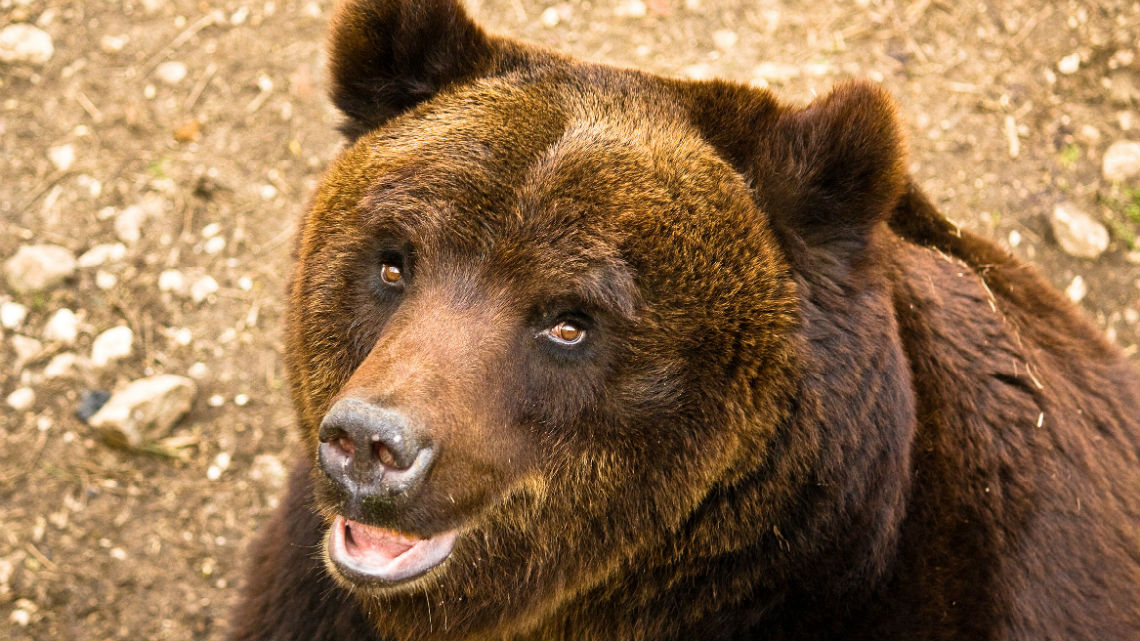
(371, 451)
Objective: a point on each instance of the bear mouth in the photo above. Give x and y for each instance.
(375, 556)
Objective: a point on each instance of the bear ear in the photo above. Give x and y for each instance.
(387, 56)
(827, 172)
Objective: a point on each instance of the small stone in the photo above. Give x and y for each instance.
(550, 17)
(171, 280)
(102, 254)
(1077, 289)
(214, 245)
(269, 470)
(1077, 233)
(203, 288)
(245, 283)
(112, 345)
(90, 402)
(211, 230)
(171, 72)
(1121, 161)
(1070, 64)
(105, 280)
(188, 131)
(62, 327)
(239, 16)
(12, 314)
(217, 400)
(119, 554)
(63, 156)
(61, 365)
(39, 267)
(632, 9)
(113, 44)
(22, 399)
(25, 43)
(241, 400)
(145, 409)
(20, 617)
(183, 336)
(1014, 238)
(27, 350)
(128, 224)
(198, 370)
(724, 39)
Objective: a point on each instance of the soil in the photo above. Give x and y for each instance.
(98, 542)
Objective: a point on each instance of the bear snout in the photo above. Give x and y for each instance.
(372, 452)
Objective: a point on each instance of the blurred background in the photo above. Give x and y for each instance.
(156, 155)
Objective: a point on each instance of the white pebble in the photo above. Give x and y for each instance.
(632, 9)
(63, 156)
(12, 314)
(27, 350)
(245, 283)
(264, 83)
(1014, 238)
(268, 192)
(198, 370)
(22, 399)
(550, 17)
(211, 230)
(214, 245)
(1077, 289)
(1077, 232)
(183, 336)
(20, 617)
(119, 554)
(1069, 64)
(239, 16)
(21, 42)
(39, 267)
(203, 288)
(1121, 161)
(105, 280)
(113, 44)
(241, 400)
(112, 345)
(171, 280)
(62, 327)
(217, 400)
(102, 254)
(171, 72)
(129, 222)
(724, 39)
(61, 365)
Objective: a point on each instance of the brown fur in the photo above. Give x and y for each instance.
(808, 406)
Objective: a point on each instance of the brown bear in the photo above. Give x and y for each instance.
(581, 352)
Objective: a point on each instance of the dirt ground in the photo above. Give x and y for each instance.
(1010, 106)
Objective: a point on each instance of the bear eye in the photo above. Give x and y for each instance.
(566, 333)
(391, 274)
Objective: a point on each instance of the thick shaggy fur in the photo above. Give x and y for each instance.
(807, 406)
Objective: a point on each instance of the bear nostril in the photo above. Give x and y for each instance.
(384, 455)
(345, 444)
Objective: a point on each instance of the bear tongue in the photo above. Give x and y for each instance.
(375, 546)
